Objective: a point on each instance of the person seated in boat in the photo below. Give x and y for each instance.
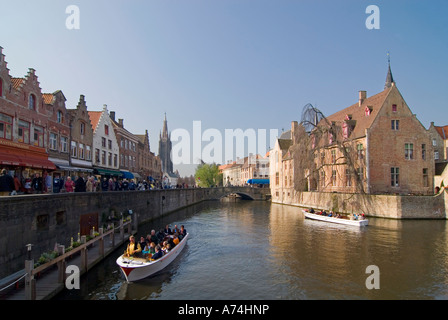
(355, 216)
(176, 229)
(167, 230)
(167, 248)
(182, 232)
(145, 250)
(361, 216)
(160, 236)
(133, 248)
(154, 237)
(176, 239)
(311, 210)
(158, 254)
(324, 213)
(142, 242)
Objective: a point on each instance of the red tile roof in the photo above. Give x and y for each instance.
(442, 131)
(94, 118)
(17, 82)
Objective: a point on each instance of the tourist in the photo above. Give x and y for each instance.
(176, 229)
(17, 184)
(133, 248)
(152, 248)
(69, 185)
(6, 183)
(80, 184)
(158, 254)
(36, 184)
(154, 237)
(176, 239)
(183, 232)
(145, 250)
(89, 184)
(142, 241)
(104, 185)
(167, 230)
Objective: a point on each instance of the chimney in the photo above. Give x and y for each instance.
(362, 96)
(112, 115)
(120, 122)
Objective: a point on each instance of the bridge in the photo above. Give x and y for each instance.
(246, 193)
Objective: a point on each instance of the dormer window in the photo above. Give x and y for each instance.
(368, 111)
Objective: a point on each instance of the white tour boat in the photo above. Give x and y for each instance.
(314, 216)
(139, 268)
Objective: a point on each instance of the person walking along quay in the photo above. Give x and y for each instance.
(6, 183)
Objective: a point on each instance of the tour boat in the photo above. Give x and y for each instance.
(135, 269)
(359, 223)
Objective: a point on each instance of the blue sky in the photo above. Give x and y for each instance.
(229, 63)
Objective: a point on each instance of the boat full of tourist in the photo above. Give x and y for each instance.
(139, 266)
(354, 220)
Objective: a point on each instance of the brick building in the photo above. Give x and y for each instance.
(24, 124)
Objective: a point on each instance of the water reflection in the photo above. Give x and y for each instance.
(257, 250)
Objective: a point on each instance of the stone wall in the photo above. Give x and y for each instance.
(385, 206)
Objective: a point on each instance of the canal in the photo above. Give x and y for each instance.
(258, 250)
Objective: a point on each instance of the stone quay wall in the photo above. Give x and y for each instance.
(44, 220)
(384, 206)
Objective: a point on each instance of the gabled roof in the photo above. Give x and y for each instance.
(442, 131)
(357, 113)
(95, 118)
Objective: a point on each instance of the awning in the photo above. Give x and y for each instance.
(107, 172)
(258, 181)
(69, 168)
(137, 176)
(17, 154)
(10, 159)
(127, 175)
(40, 163)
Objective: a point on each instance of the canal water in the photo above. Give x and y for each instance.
(257, 250)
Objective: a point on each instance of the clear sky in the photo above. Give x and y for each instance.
(249, 64)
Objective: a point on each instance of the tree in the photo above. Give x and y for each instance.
(207, 175)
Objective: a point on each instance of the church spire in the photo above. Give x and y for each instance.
(389, 77)
(165, 128)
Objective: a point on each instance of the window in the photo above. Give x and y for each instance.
(434, 142)
(333, 156)
(5, 126)
(64, 144)
(394, 108)
(103, 157)
(394, 176)
(38, 136)
(368, 111)
(115, 160)
(24, 131)
(395, 124)
(106, 129)
(103, 142)
(425, 177)
(423, 151)
(81, 151)
(322, 178)
(333, 177)
(88, 153)
(82, 127)
(277, 178)
(109, 143)
(74, 149)
(60, 118)
(436, 155)
(409, 151)
(348, 178)
(32, 102)
(360, 173)
(97, 155)
(360, 151)
(110, 159)
(53, 141)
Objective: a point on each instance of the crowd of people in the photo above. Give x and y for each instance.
(155, 245)
(47, 184)
(337, 215)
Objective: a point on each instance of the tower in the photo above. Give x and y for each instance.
(165, 149)
(389, 78)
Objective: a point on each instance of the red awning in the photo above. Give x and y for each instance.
(10, 159)
(25, 158)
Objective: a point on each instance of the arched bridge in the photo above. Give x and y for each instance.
(247, 193)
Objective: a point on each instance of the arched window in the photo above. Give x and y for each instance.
(32, 102)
